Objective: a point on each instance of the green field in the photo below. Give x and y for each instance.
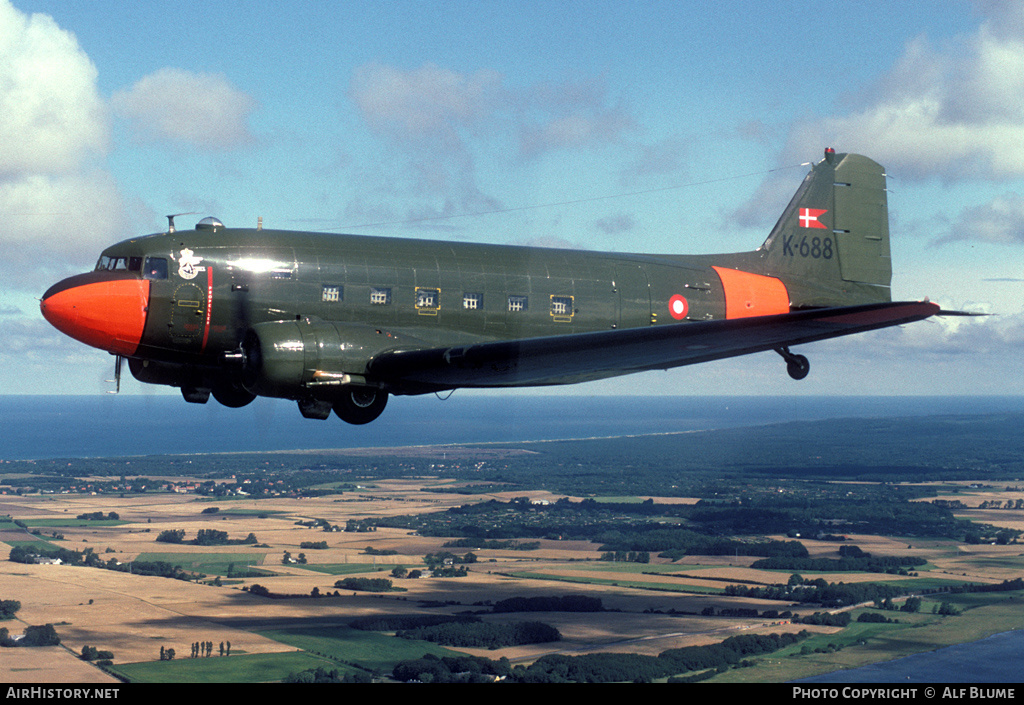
(208, 563)
(373, 651)
(246, 668)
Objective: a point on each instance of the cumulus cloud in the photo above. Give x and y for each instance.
(51, 117)
(186, 108)
(58, 203)
(952, 110)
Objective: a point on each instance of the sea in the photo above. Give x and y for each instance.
(42, 427)
(995, 659)
(38, 427)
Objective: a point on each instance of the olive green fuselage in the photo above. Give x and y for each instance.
(423, 292)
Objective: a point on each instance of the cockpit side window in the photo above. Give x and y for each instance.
(155, 268)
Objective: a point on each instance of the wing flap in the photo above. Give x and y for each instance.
(574, 358)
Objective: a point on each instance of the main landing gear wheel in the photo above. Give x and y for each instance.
(360, 405)
(796, 365)
(232, 394)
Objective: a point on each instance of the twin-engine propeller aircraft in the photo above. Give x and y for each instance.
(339, 322)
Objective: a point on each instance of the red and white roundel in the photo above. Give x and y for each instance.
(678, 307)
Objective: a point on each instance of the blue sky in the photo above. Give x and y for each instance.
(633, 126)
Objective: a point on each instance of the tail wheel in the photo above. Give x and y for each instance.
(796, 365)
(360, 405)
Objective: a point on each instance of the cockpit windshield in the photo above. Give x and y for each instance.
(114, 263)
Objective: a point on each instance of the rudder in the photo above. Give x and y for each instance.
(831, 245)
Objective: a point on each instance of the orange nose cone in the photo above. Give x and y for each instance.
(109, 315)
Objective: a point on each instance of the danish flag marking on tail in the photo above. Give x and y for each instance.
(809, 218)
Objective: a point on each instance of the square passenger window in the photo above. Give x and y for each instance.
(428, 298)
(517, 302)
(332, 293)
(561, 308)
(472, 301)
(380, 296)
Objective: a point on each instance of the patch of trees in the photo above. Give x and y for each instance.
(874, 617)
(44, 635)
(825, 619)
(451, 669)
(868, 564)
(623, 526)
(89, 558)
(676, 543)
(204, 537)
(8, 608)
(365, 584)
(371, 551)
(315, 545)
(996, 504)
(818, 592)
(102, 658)
(626, 556)
(99, 516)
(205, 649)
(480, 635)
(323, 675)
(598, 668)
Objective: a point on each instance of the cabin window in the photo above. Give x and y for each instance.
(428, 301)
(472, 301)
(155, 268)
(332, 294)
(281, 274)
(380, 296)
(562, 308)
(517, 302)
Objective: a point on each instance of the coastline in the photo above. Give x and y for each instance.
(893, 643)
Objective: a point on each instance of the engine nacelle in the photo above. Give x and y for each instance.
(296, 359)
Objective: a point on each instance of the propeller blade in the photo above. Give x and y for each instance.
(117, 375)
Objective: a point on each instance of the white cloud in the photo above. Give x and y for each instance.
(953, 111)
(187, 108)
(59, 205)
(426, 103)
(58, 224)
(51, 117)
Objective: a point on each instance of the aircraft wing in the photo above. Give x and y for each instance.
(586, 356)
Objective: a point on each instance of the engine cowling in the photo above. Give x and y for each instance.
(297, 359)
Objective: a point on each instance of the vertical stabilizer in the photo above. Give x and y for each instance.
(831, 245)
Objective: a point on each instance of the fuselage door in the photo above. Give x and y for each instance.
(634, 295)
